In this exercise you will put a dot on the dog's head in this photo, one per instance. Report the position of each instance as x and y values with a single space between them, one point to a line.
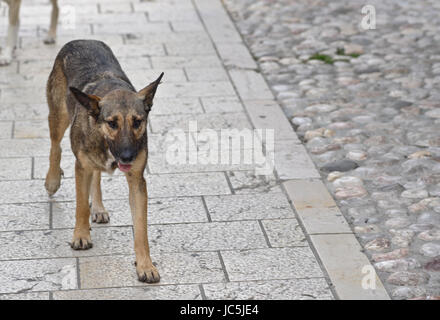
121 117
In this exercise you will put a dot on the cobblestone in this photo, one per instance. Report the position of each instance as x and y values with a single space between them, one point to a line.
370 112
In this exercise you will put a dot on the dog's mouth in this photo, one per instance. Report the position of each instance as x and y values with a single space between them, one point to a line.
124 167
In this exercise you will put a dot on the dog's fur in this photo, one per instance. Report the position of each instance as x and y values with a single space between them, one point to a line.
14 23
88 89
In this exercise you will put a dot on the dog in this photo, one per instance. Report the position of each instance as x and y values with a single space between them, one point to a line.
14 23
88 90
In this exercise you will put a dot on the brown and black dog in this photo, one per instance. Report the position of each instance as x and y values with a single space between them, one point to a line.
88 90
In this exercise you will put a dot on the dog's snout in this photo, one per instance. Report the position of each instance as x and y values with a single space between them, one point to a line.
127 156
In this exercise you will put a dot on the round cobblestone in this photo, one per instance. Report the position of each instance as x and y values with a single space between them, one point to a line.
373 94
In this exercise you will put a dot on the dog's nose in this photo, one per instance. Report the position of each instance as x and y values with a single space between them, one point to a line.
127 156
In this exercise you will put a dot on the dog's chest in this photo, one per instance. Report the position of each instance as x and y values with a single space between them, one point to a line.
110 164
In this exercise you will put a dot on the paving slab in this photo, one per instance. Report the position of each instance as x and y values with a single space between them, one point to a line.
235 55
175 268
292 161
206 74
24 111
217 22
265 113
56 243
248 206
6 129
29 216
250 85
160 211
273 263
298 289
284 233
189 122
38 275
243 182
169 292
211 236
349 276
25 296
15 168
221 104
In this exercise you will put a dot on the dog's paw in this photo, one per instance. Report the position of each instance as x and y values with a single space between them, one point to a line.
100 217
148 274
49 40
5 59
53 182
81 242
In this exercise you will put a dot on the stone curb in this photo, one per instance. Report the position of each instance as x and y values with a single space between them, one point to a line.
329 233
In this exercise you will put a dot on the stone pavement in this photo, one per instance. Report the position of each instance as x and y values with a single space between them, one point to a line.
366 105
216 231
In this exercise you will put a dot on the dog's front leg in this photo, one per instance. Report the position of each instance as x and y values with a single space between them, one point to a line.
145 269
11 42
81 236
50 38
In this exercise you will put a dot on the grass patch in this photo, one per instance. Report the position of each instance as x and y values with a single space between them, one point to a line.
323 57
341 52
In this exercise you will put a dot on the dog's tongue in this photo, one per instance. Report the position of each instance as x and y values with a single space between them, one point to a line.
124 167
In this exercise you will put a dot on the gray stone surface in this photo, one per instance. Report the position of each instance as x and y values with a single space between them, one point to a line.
6 129
265 113
29 216
365 104
251 85
244 182
324 220
215 230
207 236
297 289
248 206
37 275
175 268
293 162
170 292
348 276
274 263
161 124
221 104
15 168
25 296
284 233
161 211
56 243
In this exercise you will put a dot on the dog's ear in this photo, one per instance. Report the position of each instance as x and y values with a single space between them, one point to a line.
88 101
147 93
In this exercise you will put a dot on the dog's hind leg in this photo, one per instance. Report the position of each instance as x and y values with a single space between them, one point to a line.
99 214
14 22
58 123
50 38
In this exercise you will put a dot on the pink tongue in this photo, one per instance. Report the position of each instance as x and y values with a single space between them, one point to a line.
124 167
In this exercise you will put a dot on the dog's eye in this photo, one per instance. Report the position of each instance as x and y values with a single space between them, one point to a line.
112 124
136 123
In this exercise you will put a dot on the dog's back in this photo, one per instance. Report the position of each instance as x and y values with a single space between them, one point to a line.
88 65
